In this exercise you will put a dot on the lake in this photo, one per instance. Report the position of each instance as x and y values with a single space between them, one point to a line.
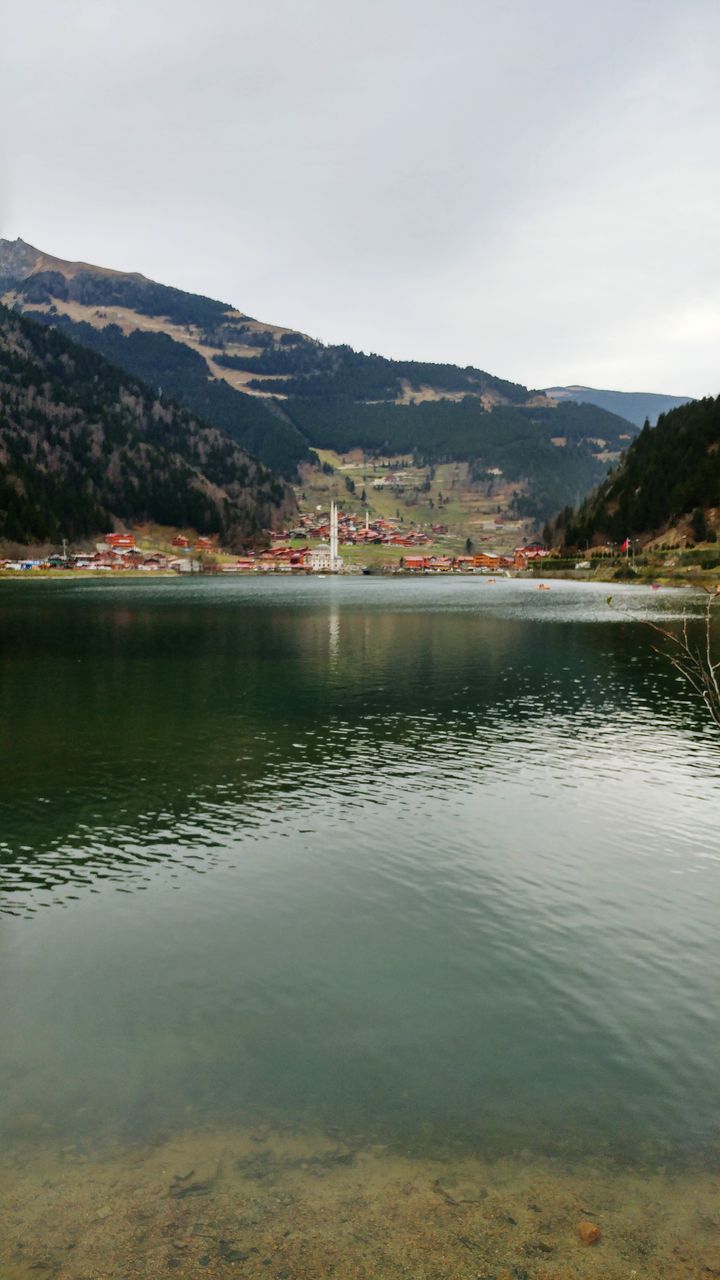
330 888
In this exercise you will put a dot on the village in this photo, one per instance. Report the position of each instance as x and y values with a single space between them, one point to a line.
356 515
312 546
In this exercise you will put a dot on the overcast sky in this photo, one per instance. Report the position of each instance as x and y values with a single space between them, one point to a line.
529 187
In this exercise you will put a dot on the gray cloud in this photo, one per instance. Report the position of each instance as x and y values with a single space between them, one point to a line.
532 188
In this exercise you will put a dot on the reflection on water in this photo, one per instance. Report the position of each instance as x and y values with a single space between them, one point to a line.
421 863
124 717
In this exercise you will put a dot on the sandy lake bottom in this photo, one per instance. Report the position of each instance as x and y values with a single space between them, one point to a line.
294 1205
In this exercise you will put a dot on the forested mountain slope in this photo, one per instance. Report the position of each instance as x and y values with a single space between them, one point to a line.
281 394
669 476
84 448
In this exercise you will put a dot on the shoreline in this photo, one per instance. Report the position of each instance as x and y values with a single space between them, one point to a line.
300 1204
695 580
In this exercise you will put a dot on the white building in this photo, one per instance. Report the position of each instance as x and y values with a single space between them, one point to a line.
319 559
324 558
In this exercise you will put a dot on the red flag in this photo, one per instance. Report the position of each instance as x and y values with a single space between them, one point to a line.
626 545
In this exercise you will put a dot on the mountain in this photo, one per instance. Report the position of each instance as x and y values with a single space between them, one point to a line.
282 395
636 406
667 485
84 448
157 333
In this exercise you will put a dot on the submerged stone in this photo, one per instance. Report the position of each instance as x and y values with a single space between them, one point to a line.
459 1192
197 1182
588 1232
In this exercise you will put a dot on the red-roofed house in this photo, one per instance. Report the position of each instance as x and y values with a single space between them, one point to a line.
120 541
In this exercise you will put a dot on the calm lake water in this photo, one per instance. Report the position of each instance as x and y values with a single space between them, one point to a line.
430 861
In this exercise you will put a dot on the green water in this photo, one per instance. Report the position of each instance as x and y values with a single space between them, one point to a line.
434 860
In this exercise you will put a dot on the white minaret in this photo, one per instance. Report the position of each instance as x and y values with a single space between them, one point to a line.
333 536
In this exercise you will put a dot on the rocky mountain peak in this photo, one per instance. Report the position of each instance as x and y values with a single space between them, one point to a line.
17 259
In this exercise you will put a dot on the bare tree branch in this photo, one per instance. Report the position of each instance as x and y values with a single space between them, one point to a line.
694 663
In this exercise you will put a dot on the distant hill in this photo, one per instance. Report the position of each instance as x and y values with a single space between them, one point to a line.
668 484
85 448
282 394
635 406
